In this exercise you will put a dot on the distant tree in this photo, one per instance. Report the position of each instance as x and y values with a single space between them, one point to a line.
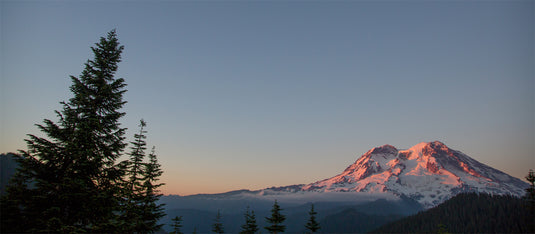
530 191
217 227
312 225
530 199
69 181
276 220
441 229
250 226
177 224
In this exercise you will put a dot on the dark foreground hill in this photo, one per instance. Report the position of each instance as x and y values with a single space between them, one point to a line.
8 166
468 213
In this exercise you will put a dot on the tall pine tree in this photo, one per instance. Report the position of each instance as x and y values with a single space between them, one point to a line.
140 212
152 211
68 181
276 220
132 194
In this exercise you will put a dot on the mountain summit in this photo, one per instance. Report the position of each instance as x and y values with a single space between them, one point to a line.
428 172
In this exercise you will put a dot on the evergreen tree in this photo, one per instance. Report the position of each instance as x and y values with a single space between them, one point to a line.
131 219
530 191
312 225
250 226
276 220
442 229
140 213
69 181
152 212
530 199
217 227
177 224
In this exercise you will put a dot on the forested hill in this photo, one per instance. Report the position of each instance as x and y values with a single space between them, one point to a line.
468 213
8 166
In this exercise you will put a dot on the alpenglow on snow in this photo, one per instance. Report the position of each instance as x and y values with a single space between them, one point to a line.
428 172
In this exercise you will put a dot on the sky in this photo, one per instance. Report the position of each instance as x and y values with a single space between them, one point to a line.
255 94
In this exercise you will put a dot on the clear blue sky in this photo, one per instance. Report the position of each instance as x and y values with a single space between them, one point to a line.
245 94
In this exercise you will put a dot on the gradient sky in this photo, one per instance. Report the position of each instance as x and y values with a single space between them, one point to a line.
248 95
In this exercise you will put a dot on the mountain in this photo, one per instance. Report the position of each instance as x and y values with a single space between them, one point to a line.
8 166
428 172
382 185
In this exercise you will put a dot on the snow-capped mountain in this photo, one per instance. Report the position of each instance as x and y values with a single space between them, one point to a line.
383 182
428 172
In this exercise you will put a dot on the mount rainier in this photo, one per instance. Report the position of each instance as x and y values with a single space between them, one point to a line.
384 182
428 173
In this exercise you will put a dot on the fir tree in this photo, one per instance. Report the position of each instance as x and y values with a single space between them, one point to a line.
312 225
276 220
68 181
530 199
177 224
250 226
217 227
442 229
152 211
131 219
530 191
140 213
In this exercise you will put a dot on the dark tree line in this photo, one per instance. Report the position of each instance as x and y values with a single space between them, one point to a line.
474 213
71 180
468 213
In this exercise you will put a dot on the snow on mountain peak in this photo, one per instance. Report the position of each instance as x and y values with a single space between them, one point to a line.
385 149
429 172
